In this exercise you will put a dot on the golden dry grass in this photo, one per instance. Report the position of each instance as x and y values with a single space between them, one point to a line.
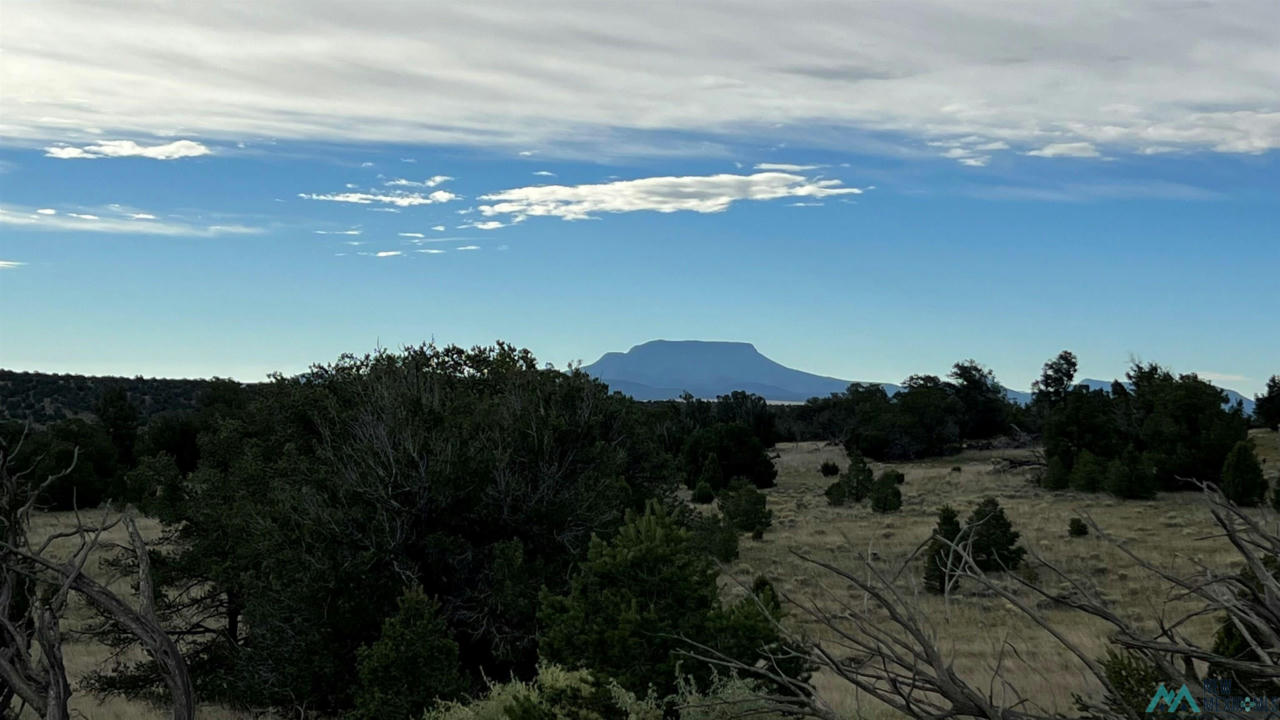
1172 531
82 655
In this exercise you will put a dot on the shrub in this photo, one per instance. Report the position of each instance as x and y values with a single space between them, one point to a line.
738 451
1128 478
837 493
710 475
1242 481
1077 528
854 485
745 507
948 529
560 694
703 494
885 495
636 603
413 663
1057 475
715 535
894 476
1088 473
956 469
995 542
1133 677
859 476
829 469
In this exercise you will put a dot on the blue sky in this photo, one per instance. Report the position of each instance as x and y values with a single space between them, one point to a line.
864 191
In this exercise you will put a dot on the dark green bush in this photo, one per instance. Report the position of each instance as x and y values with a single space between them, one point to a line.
956 469
703 494
1242 481
637 601
413 663
894 476
948 530
738 451
715 535
710 475
995 542
1134 677
829 469
1077 528
885 495
745 507
1088 473
1126 478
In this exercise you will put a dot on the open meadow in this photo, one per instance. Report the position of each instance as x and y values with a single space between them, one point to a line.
1174 531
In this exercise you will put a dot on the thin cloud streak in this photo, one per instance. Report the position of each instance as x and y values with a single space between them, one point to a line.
1188 76
80 222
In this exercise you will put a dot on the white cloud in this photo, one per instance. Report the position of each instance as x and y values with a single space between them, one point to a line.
785 167
47 211
1071 149
128 148
387 253
468 247
544 173
1221 377
430 251
563 74
430 182
486 225
412 235
141 216
84 222
399 199
353 231
438 228
807 204
699 193
10 264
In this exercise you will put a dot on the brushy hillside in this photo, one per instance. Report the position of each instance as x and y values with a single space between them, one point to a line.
1171 529
43 398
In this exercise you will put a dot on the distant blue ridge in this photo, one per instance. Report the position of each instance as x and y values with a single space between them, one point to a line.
666 369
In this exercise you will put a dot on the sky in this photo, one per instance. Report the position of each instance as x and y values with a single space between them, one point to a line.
862 190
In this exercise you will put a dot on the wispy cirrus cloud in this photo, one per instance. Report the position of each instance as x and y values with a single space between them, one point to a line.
1071 149
1221 377
1190 75
128 148
696 193
785 167
430 182
10 264
399 199
31 219
352 231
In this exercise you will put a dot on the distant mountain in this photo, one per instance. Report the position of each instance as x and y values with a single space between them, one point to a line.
665 369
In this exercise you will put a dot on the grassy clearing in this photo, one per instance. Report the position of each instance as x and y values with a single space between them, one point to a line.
1171 530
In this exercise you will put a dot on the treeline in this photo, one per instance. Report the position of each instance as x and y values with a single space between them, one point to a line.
386 531
1157 432
929 416
44 398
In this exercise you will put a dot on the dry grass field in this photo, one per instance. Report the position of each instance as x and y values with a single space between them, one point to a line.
1170 530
